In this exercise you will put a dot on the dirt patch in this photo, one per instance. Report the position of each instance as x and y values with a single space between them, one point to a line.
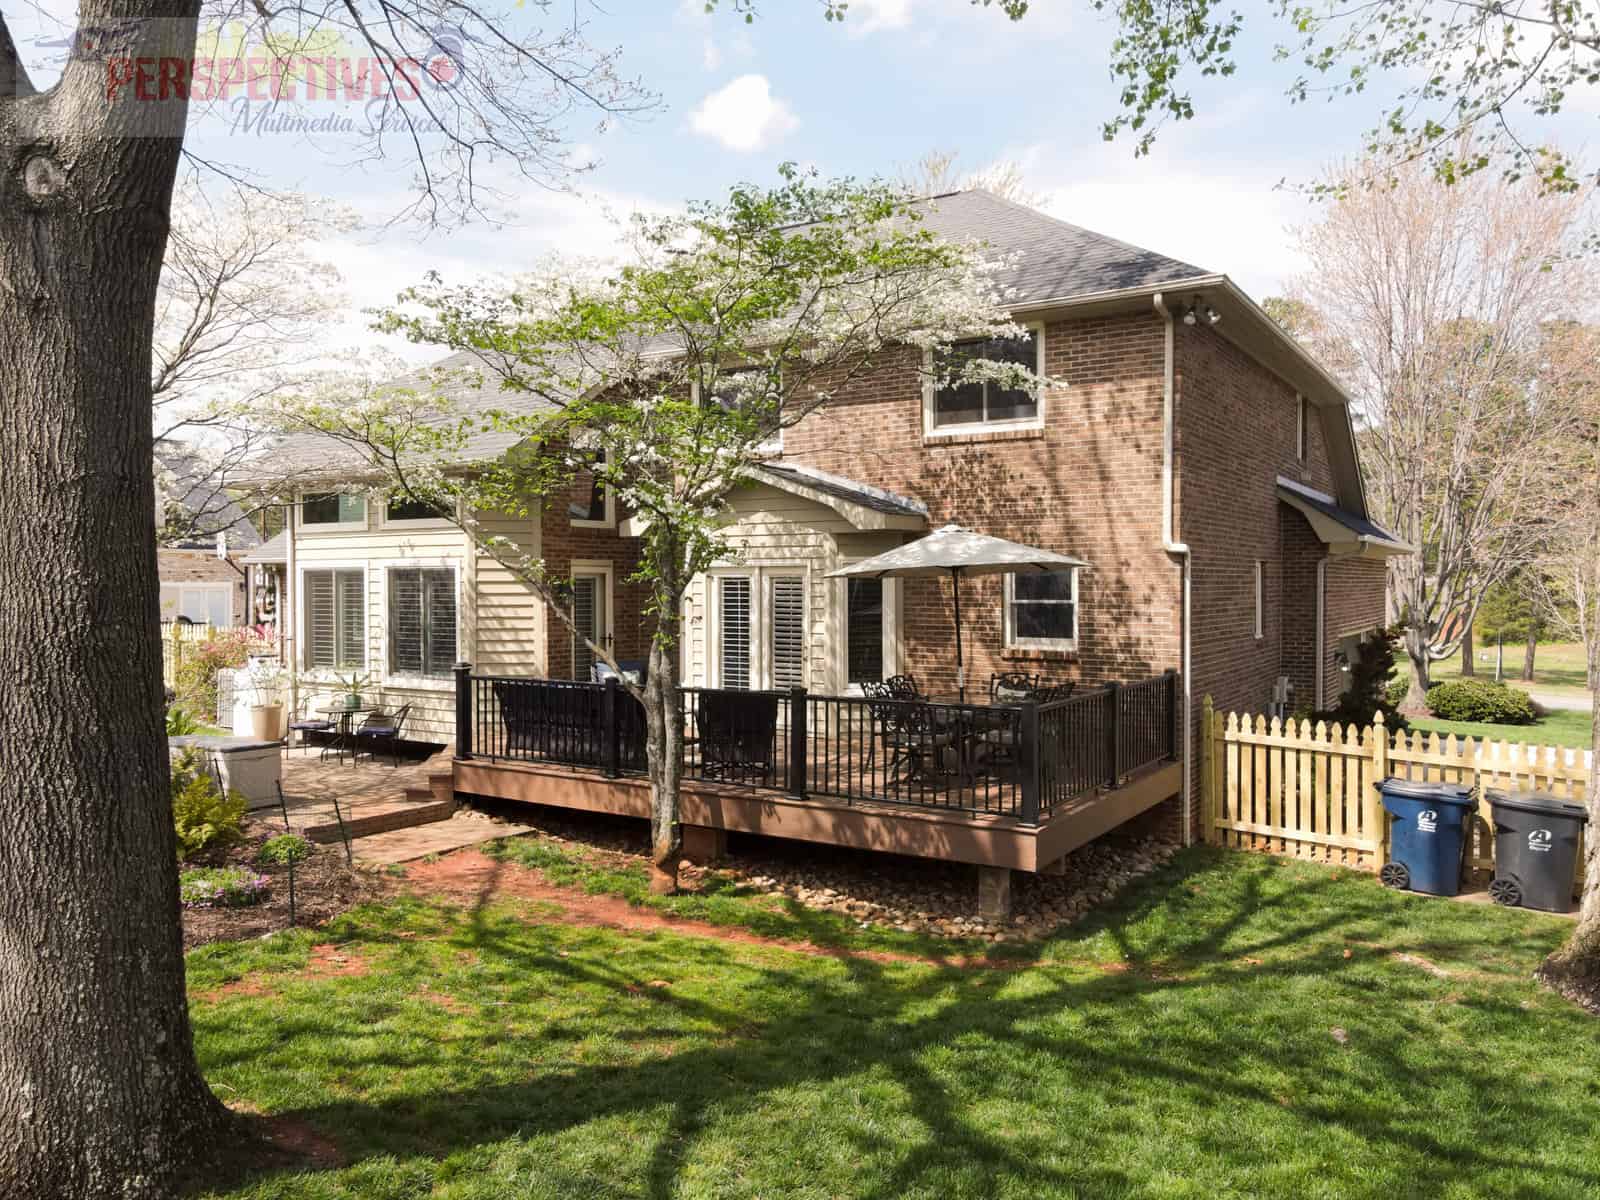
471 877
324 887
289 1140
331 960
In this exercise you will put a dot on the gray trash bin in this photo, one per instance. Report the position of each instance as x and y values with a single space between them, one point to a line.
1535 849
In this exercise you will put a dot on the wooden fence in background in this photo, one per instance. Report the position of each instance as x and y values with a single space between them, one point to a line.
176 641
1291 787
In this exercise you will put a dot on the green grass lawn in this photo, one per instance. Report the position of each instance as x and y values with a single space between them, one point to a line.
1558 668
1560 727
1233 1026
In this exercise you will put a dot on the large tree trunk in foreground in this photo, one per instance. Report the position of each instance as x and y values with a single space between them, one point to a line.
1575 968
100 1095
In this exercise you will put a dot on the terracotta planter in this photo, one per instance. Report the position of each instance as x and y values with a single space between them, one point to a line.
266 722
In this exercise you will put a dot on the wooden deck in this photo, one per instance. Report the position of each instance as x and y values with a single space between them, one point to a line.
950 833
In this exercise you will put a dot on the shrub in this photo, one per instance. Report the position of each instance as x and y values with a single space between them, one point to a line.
220 887
1370 690
202 815
284 849
1480 700
195 675
179 722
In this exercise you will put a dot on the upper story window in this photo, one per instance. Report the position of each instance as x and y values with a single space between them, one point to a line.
598 508
749 387
1041 610
333 508
404 508
979 404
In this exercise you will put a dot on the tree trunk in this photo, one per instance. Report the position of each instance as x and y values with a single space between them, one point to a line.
664 753
100 1094
1468 668
1416 644
1528 653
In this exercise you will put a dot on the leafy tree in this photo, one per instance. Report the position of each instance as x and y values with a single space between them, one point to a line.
727 325
1510 612
1445 70
1431 306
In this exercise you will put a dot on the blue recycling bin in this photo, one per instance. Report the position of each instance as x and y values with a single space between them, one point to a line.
1427 835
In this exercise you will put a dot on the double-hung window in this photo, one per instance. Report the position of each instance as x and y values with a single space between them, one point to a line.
422 621
333 509
986 402
1041 610
335 619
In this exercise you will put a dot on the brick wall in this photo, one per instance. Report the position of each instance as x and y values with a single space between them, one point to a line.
1089 484
1354 605
1301 551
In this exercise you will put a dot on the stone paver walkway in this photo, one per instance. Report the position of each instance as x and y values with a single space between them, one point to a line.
364 789
439 837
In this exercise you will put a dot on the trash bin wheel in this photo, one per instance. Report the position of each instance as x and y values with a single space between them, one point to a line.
1506 891
1395 875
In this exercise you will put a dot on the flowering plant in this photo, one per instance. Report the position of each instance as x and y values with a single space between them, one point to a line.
221 887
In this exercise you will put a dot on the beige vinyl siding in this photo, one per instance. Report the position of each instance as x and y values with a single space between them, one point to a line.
374 550
779 534
508 621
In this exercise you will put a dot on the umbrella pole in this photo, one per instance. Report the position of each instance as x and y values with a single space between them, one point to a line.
961 671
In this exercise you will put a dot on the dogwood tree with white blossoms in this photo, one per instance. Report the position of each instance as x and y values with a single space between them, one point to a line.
669 379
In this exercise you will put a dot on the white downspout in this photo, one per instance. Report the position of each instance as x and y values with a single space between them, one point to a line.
1168 485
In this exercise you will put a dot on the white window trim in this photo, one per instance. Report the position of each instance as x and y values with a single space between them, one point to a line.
1260 594
930 430
768 576
398 679
1008 619
714 625
201 584
610 519
328 674
608 632
1302 431
772 446
318 528
891 632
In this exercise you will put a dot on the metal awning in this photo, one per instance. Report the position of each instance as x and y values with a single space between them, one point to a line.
1342 531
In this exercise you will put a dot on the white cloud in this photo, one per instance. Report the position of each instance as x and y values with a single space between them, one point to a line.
871 16
711 56
744 115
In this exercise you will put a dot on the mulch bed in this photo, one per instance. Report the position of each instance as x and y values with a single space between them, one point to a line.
324 887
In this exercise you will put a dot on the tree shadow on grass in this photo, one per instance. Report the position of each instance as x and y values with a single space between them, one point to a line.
1193 1016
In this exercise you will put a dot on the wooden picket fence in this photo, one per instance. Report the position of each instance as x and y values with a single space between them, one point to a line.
176 641
1291 787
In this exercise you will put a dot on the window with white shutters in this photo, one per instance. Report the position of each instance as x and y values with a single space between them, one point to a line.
786 622
588 613
733 593
422 621
335 619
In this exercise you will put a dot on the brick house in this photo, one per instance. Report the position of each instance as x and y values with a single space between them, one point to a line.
1191 452
198 585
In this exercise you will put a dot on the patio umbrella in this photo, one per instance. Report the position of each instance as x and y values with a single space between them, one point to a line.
956 552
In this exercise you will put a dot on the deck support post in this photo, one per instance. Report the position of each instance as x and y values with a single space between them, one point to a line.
704 844
994 892
463 672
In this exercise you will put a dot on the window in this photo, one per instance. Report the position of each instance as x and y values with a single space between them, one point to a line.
403 508
787 621
422 621
1261 598
863 624
334 508
197 603
597 508
753 389
335 619
734 625
1301 417
987 403
589 614
1041 610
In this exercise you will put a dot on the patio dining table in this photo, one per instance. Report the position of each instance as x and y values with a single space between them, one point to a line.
342 738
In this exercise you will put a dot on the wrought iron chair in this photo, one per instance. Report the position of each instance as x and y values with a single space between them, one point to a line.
1055 691
309 721
738 735
903 687
915 740
1012 687
382 727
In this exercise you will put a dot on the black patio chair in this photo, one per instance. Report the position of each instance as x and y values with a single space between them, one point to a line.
915 740
522 713
1055 691
381 728
309 721
738 735
1012 687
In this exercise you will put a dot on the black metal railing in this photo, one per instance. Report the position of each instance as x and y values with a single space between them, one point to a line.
1014 760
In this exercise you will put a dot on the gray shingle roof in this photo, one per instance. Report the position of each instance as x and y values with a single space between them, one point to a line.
875 498
1055 260
1051 260
1356 524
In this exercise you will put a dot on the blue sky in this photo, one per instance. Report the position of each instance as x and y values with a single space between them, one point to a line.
898 78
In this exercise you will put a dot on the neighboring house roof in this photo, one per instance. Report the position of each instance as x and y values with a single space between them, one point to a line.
186 481
1053 260
1340 529
273 550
